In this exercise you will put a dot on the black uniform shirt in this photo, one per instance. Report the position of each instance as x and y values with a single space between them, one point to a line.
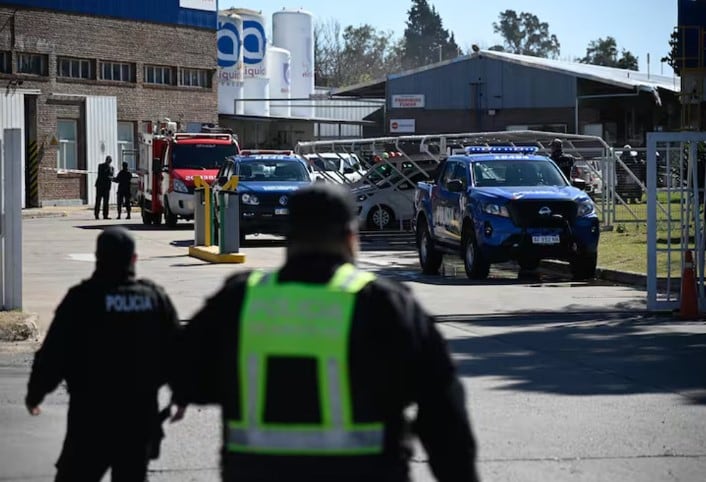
124 178
397 358
113 343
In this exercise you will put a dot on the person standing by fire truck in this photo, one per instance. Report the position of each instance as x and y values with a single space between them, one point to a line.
103 183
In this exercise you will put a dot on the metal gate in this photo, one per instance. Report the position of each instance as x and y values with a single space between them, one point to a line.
675 214
409 159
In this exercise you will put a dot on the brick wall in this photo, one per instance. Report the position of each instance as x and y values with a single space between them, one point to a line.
99 38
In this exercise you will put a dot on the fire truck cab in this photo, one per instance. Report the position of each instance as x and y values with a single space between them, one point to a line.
167 164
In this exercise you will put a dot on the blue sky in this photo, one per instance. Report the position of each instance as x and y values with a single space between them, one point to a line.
640 26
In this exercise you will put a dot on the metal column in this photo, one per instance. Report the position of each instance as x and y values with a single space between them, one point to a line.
11 220
229 227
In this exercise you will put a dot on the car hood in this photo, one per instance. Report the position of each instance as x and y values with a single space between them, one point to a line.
269 186
561 193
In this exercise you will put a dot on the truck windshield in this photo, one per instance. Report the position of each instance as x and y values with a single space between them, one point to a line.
517 172
273 170
201 156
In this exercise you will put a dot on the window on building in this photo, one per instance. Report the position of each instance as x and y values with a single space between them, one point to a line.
74 68
67 157
126 145
32 64
117 71
195 78
6 62
158 74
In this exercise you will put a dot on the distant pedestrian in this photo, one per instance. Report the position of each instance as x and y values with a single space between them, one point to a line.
124 180
314 365
565 162
103 183
112 340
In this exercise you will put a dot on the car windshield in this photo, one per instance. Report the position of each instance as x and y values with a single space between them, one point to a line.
201 156
272 170
517 172
326 164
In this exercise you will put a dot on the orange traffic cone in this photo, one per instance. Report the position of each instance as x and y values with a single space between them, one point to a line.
689 305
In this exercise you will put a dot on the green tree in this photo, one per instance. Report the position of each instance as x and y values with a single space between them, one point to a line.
605 52
671 57
525 34
354 54
425 39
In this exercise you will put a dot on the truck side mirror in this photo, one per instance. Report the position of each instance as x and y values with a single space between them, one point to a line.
579 183
455 185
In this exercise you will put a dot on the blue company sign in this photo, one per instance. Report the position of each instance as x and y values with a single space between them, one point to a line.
228 44
254 42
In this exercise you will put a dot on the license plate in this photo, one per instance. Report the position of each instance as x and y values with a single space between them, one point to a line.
281 211
553 239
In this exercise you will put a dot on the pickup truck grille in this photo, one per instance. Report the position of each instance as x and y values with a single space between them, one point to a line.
526 213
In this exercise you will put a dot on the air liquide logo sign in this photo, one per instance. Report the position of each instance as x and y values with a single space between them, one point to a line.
229 47
254 48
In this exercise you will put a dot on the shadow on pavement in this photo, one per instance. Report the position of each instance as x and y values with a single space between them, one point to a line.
136 227
607 354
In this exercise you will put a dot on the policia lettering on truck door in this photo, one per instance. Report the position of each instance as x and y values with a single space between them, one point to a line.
313 365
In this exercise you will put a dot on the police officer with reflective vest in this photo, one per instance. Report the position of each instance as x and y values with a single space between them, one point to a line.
112 340
314 364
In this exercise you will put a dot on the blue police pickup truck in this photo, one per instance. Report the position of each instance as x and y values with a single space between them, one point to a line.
496 204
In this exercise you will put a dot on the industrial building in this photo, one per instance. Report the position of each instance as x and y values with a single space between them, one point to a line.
493 91
83 78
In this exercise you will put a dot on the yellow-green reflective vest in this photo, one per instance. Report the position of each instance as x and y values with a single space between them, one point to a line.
300 320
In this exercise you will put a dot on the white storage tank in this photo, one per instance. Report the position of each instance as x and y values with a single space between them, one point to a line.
278 70
294 30
255 80
230 63
255 95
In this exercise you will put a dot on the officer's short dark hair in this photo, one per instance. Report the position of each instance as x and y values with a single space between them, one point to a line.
321 212
124 165
108 159
115 246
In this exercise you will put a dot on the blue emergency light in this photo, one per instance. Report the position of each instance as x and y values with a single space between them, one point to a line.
501 149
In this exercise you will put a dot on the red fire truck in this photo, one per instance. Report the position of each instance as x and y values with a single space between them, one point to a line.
168 163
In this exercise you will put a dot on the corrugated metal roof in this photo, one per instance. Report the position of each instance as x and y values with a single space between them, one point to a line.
628 79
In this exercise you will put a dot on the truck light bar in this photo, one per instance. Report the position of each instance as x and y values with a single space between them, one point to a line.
501 149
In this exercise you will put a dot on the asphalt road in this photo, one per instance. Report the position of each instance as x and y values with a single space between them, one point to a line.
565 381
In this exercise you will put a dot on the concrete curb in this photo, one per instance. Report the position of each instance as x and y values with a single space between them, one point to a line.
622 277
44 214
24 329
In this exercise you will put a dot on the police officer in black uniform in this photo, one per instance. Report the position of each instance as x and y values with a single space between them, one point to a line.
103 183
111 340
124 180
315 364
564 161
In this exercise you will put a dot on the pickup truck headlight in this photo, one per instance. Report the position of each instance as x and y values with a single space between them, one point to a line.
496 210
179 186
250 199
586 207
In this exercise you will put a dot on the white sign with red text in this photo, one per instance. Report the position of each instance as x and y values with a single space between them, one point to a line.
402 125
208 5
410 101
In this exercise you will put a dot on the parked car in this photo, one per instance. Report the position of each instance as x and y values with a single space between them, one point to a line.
589 171
265 182
335 167
383 204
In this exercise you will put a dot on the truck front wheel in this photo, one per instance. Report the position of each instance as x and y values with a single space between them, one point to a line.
429 258
474 263
169 217
583 266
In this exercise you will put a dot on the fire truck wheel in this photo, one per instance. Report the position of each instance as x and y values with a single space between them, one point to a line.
169 218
